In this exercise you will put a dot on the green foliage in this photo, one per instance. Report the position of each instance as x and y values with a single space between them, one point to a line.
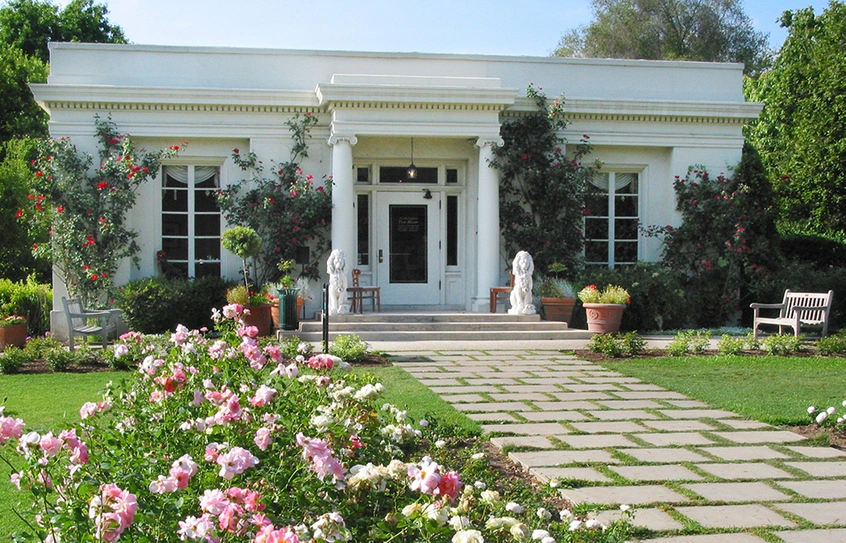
725 242
832 345
60 359
20 116
781 344
730 345
30 299
241 241
86 210
287 210
349 348
823 251
16 258
292 347
542 189
617 345
689 341
11 359
38 347
553 287
657 295
30 25
157 304
800 132
718 31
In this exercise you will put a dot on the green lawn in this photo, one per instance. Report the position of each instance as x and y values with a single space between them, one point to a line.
49 401
776 390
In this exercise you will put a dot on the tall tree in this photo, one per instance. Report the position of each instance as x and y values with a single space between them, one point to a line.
30 25
705 30
801 133
20 116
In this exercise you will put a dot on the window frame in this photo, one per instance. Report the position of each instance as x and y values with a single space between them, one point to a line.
191 262
612 217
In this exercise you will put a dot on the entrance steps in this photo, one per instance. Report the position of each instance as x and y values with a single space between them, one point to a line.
457 326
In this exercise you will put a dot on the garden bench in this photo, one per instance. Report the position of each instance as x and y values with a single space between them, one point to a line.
80 321
797 310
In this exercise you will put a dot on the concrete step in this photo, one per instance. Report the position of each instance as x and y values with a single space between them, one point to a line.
421 335
443 326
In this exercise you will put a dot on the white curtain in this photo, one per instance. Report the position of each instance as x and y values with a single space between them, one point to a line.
201 173
621 180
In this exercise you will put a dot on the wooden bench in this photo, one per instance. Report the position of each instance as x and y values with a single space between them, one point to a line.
359 293
797 310
81 321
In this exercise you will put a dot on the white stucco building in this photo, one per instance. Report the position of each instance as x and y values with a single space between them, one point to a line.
647 120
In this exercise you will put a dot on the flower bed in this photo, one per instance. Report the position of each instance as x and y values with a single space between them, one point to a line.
227 439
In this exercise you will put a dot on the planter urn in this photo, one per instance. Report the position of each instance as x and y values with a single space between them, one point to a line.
604 318
13 335
558 309
259 317
289 308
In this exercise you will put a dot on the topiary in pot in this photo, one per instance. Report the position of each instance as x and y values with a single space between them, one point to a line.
243 242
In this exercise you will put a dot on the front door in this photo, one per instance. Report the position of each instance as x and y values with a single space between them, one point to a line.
409 269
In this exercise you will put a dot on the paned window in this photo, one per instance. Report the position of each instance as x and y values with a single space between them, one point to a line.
191 220
611 219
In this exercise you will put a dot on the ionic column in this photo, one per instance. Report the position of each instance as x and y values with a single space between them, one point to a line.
487 223
343 196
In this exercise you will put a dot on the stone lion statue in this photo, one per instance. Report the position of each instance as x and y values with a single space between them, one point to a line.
521 295
335 266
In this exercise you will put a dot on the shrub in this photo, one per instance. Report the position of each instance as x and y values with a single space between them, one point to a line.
157 304
730 345
12 358
350 348
30 299
606 344
292 347
832 345
38 347
617 345
781 344
688 341
60 359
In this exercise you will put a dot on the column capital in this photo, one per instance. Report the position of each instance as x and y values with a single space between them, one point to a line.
489 142
335 138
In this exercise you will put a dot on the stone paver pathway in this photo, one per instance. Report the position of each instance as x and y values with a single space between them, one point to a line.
616 440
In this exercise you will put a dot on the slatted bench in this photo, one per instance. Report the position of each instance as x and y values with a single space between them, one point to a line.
797 310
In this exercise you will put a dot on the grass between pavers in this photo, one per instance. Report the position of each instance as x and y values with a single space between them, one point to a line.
52 401
771 389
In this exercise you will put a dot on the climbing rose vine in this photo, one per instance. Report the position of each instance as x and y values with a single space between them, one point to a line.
84 207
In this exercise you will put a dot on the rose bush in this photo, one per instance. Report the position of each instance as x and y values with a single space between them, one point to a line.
225 439
85 207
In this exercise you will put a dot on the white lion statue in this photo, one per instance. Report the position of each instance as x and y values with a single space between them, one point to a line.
335 266
521 295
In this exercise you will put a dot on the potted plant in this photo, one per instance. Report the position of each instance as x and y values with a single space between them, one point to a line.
557 298
12 331
604 307
257 307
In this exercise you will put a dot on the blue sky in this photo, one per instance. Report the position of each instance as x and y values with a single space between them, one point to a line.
498 27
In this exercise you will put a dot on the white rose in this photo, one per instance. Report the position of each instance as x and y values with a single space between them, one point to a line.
468 536
513 507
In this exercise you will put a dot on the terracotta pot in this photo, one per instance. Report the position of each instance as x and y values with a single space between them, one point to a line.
558 309
259 317
604 318
13 335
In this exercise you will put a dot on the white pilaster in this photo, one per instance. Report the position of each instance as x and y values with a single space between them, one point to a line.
487 238
343 194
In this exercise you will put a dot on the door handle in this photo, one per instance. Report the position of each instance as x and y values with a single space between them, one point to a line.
381 259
